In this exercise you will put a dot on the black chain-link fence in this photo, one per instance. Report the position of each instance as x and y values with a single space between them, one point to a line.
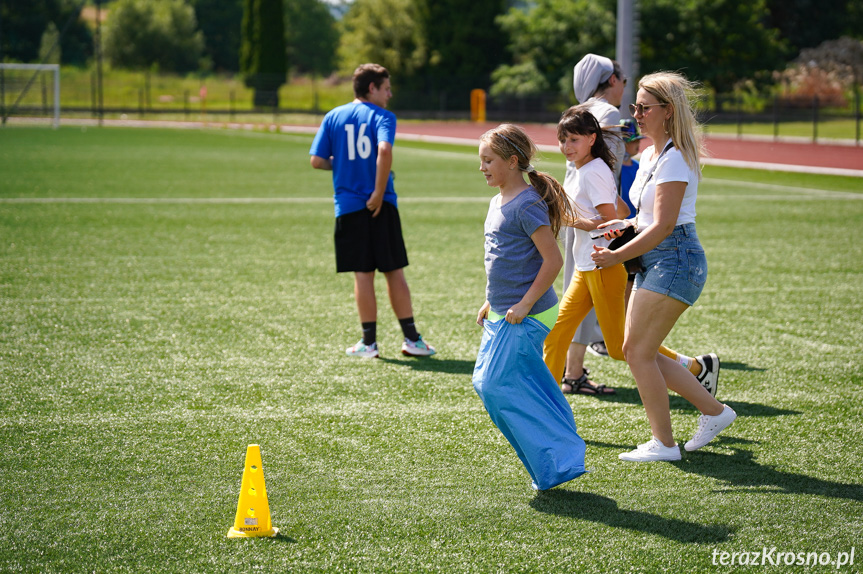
147 94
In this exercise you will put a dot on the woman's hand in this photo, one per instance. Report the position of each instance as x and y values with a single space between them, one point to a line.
483 313
517 313
604 257
614 233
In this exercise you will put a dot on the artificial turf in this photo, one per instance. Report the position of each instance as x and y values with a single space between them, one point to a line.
169 297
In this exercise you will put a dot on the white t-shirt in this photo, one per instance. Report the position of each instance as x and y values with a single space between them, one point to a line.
586 188
608 117
671 167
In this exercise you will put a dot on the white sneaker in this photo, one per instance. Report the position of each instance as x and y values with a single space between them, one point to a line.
418 348
598 348
650 451
709 375
363 350
709 427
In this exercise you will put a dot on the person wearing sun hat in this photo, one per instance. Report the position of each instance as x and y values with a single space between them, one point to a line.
598 82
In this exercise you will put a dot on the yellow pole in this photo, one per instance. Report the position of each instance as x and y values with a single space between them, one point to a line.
477 105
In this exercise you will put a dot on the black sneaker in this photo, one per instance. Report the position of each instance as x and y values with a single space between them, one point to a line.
709 375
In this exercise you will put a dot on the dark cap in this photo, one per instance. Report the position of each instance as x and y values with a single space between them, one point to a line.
629 131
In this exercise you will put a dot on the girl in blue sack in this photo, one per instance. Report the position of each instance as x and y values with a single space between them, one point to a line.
522 260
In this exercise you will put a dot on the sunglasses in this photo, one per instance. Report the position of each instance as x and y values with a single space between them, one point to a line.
640 108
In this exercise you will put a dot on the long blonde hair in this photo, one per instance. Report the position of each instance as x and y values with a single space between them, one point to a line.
508 140
683 127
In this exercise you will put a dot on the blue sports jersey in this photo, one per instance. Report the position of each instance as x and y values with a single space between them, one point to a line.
349 135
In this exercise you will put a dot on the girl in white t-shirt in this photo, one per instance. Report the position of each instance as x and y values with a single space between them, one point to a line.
593 193
675 267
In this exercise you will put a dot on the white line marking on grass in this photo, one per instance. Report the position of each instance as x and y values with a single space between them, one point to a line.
803 192
166 200
224 200
773 186
724 196
464 156
797 193
783 167
553 149
261 134
480 199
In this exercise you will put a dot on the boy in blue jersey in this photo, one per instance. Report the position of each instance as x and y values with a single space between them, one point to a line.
355 141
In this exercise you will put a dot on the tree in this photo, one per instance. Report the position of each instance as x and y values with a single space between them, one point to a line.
217 20
384 32
844 57
23 30
827 72
549 38
716 42
806 23
518 80
311 36
263 61
50 51
464 50
140 34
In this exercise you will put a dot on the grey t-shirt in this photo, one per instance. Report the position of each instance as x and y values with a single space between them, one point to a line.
512 261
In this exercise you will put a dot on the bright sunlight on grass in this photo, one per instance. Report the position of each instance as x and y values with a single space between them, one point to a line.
169 297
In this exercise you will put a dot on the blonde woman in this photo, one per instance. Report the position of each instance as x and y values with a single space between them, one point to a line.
664 192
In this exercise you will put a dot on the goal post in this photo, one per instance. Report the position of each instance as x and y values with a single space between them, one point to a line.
24 92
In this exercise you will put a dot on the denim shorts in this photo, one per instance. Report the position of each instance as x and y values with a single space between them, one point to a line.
676 267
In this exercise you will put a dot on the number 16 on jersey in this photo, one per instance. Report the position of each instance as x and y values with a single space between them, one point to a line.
362 144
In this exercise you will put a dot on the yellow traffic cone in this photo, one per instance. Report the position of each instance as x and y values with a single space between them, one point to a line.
253 510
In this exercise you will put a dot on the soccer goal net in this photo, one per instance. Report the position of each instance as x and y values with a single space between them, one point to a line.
30 93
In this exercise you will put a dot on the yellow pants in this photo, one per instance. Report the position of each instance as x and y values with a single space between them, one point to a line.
603 290
600 289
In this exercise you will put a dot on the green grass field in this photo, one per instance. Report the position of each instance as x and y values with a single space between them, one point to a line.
169 297
127 89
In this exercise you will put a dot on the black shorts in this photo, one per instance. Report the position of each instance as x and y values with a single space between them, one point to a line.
365 243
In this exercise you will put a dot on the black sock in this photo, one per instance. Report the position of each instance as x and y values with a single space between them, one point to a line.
409 329
370 332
